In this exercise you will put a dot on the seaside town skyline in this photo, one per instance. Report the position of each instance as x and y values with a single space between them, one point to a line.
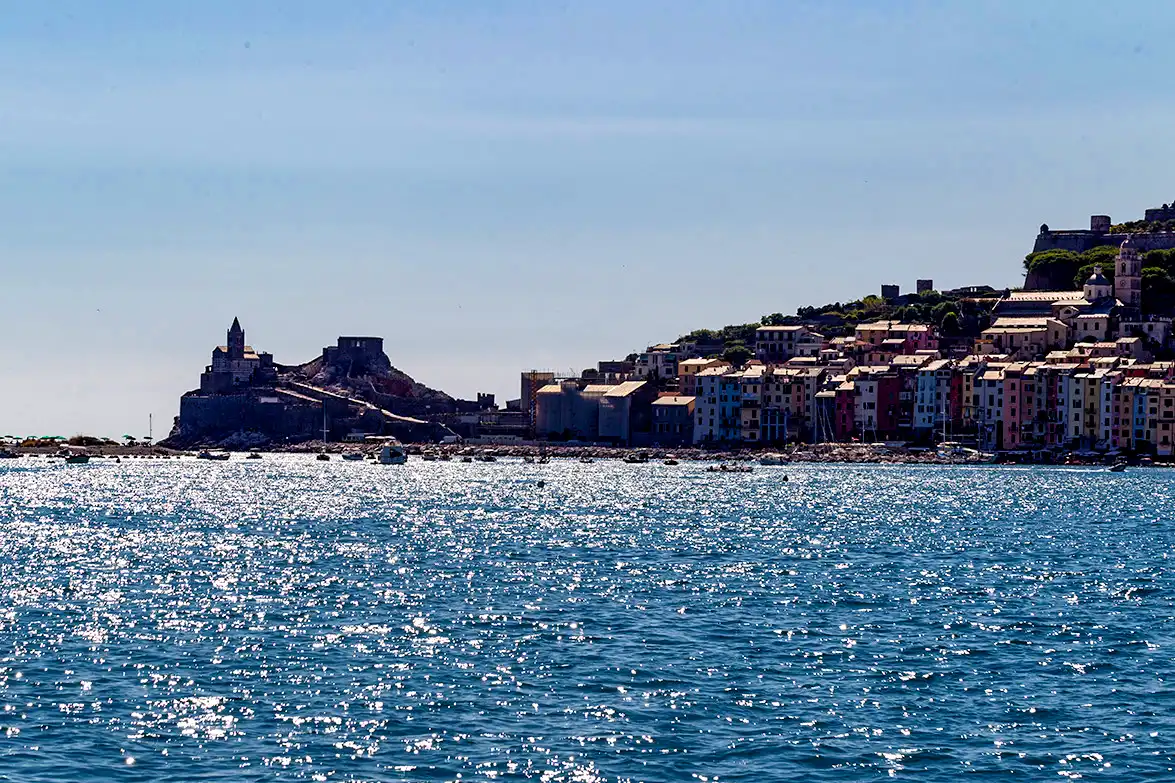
1081 358
528 186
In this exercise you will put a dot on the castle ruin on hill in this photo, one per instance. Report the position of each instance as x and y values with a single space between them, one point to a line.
247 400
1150 233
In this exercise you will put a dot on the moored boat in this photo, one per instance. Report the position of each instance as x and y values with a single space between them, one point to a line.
392 455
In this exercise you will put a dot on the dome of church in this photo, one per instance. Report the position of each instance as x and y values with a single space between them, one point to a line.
1097 278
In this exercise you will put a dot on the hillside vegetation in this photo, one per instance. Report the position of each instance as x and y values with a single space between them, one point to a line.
1158 272
954 315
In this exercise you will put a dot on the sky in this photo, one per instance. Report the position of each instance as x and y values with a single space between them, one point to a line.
494 187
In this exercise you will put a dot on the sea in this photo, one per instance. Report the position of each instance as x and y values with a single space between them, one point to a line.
287 619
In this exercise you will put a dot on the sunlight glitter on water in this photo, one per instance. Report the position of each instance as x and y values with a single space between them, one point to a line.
343 621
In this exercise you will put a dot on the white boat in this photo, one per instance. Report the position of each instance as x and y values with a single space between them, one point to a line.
951 448
392 455
772 459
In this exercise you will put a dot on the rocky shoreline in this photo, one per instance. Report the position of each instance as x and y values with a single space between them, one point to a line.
846 453
835 453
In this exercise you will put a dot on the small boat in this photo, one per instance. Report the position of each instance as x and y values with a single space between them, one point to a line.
467 459
392 455
253 455
724 468
77 459
586 460
1118 467
487 458
428 457
6 454
636 459
772 459
353 456
544 460
222 457
323 457
672 461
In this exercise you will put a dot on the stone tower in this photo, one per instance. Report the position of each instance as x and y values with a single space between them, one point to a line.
1128 278
236 341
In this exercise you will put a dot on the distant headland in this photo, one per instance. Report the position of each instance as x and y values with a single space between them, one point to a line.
246 400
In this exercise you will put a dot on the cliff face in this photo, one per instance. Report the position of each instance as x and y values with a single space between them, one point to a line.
373 380
1048 279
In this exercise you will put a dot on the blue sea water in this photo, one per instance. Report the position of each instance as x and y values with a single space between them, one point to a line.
286 619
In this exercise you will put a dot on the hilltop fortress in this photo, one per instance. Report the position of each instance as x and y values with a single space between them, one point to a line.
1156 231
247 400
1150 233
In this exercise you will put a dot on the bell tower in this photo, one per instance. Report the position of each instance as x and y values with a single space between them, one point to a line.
1128 277
236 341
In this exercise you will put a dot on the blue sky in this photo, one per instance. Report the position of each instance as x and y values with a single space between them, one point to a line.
500 186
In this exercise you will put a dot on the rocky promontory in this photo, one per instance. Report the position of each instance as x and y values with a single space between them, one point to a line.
248 401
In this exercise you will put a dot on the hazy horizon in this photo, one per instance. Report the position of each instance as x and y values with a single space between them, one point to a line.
494 188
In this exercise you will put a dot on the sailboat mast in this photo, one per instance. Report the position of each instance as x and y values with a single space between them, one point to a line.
944 415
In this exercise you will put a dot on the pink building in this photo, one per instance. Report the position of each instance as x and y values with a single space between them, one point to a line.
886 334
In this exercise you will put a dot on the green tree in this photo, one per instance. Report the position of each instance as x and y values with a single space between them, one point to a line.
1105 255
1158 290
775 319
1086 271
737 354
950 324
941 310
1162 259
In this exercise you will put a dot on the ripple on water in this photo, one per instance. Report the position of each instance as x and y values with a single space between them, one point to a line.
331 621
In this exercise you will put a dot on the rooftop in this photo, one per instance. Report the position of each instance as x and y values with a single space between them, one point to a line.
1041 321
674 400
1046 296
624 389
701 362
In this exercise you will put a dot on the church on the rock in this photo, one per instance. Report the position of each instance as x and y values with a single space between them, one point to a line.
236 365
